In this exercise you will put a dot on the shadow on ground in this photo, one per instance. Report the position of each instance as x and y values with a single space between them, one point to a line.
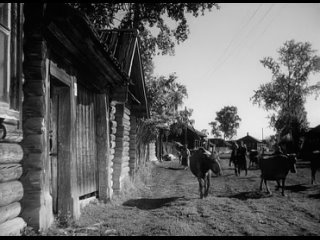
150 203
296 188
249 195
316 196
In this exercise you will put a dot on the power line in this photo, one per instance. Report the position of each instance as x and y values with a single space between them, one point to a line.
242 42
234 37
268 25
255 27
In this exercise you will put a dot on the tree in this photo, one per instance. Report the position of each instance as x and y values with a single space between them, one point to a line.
146 17
164 96
205 132
228 120
215 129
286 94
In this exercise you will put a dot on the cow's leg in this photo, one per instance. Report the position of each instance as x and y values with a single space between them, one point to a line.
283 182
236 169
313 175
261 184
265 183
200 187
207 184
278 185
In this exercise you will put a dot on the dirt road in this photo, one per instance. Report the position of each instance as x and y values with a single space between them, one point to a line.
235 206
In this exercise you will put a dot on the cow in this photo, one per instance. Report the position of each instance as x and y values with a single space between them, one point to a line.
310 151
276 167
202 162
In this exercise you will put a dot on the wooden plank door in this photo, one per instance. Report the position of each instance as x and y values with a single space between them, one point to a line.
54 102
59 142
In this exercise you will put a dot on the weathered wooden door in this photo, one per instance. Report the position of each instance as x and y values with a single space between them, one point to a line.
87 166
59 120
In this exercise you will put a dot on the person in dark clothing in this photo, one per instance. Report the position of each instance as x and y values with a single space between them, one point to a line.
185 156
241 158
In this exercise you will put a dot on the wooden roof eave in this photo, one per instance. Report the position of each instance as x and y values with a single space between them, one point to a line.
70 27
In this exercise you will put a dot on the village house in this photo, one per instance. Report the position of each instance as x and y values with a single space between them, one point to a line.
251 142
70 105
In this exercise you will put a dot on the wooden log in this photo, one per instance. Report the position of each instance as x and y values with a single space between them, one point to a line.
123 138
121 143
10 192
112 137
33 125
9 212
121 160
123 129
10 153
34 107
12 227
113 130
34 143
10 172
10 132
113 123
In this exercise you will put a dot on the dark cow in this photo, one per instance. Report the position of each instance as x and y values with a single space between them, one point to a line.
201 162
276 167
310 151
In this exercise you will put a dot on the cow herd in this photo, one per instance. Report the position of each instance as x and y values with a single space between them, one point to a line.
273 167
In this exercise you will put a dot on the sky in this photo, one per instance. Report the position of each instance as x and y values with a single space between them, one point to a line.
220 65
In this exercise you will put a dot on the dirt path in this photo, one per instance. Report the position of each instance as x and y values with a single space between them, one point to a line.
234 206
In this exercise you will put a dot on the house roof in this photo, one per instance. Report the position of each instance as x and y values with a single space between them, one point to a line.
314 131
219 142
192 129
123 45
248 138
73 34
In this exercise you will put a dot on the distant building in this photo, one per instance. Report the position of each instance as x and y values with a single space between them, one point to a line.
251 142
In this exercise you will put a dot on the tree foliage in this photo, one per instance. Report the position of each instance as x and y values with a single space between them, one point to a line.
228 120
165 95
286 94
215 129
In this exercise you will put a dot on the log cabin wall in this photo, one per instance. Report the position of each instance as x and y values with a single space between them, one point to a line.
113 131
133 146
36 202
11 189
121 157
